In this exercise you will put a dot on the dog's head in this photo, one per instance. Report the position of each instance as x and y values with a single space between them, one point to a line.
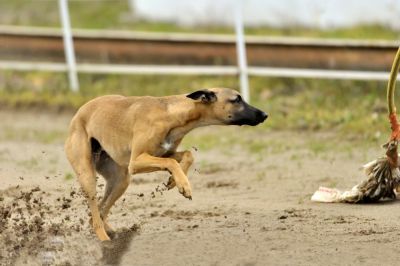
226 106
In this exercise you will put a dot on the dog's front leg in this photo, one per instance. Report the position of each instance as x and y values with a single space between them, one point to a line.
147 163
185 159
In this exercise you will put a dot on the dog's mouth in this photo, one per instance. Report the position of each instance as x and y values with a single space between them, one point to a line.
246 122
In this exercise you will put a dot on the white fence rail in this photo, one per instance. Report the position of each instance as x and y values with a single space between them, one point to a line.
198 70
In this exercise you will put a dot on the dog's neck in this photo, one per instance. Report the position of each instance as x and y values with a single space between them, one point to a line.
189 115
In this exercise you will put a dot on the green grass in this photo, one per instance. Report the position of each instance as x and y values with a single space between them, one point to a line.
115 14
366 31
318 146
50 89
353 107
29 134
68 176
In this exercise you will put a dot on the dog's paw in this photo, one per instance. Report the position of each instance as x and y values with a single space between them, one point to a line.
108 228
102 235
170 184
185 189
100 232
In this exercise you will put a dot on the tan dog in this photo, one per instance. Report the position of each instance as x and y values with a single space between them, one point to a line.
118 136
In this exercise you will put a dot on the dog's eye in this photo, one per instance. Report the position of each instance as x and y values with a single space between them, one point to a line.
238 99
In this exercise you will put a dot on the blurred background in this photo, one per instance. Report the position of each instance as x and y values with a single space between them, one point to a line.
345 47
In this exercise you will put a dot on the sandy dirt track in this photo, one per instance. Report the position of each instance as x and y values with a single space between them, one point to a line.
250 206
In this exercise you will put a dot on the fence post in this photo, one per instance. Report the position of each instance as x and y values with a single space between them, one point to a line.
68 45
131 4
241 51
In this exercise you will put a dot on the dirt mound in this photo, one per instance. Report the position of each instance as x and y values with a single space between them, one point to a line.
40 232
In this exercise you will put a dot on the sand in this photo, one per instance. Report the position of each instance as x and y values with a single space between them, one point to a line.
249 207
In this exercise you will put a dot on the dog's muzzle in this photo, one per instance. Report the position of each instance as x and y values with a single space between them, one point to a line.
249 116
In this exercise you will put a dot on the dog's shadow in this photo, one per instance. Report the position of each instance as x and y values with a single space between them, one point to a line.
114 249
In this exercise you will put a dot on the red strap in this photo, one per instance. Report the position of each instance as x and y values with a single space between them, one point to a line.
394 124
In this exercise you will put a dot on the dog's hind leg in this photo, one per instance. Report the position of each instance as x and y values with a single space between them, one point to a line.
117 179
78 150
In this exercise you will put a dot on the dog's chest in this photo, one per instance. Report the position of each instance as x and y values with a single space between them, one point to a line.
166 148
167 145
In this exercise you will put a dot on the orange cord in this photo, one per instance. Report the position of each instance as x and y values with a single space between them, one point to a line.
392 155
395 126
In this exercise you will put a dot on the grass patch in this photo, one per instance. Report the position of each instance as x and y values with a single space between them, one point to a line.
50 89
68 176
355 108
29 134
256 146
367 31
318 147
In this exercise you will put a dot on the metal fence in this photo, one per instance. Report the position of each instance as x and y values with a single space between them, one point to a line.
209 70
242 69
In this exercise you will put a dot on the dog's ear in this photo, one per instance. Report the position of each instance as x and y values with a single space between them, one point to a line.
204 96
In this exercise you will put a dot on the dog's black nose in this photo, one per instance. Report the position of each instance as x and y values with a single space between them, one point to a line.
263 116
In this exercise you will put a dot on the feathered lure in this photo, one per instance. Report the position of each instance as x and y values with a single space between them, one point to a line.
383 174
